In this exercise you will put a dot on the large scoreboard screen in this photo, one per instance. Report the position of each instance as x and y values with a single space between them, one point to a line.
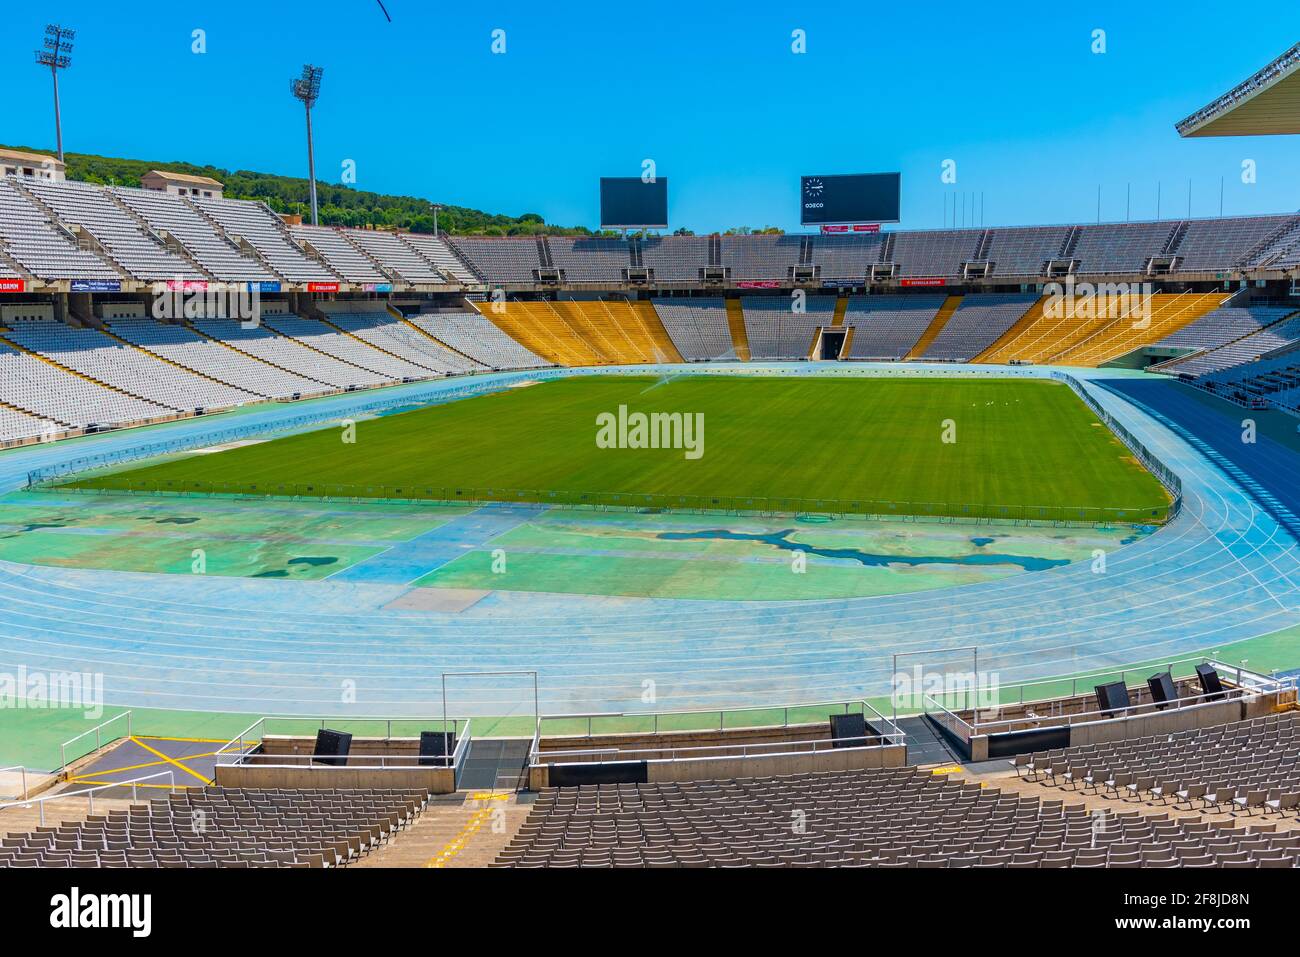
856 198
629 202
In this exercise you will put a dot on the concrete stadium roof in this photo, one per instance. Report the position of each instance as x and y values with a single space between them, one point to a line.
1268 103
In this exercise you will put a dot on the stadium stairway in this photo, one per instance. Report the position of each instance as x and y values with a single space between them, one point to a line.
736 324
460 830
1169 313
841 308
936 326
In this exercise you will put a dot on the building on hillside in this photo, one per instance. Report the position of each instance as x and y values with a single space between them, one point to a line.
181 184
31 166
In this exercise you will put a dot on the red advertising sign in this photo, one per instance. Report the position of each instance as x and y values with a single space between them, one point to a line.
322 287
855 228
13 285
924 281
758 284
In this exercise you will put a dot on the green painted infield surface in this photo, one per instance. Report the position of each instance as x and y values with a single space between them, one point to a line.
1014 443
586 553
298 540
32 737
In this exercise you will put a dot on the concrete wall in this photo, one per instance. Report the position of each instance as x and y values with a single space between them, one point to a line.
435 780
709 769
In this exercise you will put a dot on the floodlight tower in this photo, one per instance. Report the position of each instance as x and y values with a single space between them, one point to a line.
307 89
56 55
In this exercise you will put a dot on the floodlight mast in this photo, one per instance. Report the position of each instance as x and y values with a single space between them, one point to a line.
57 56
307 89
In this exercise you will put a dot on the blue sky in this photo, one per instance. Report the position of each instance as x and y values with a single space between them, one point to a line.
710 91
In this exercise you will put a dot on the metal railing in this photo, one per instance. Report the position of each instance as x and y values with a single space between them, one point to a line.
22 770
89 793
891 735
1244 684
98 732
241 750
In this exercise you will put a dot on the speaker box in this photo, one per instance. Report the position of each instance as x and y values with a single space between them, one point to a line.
1112 697
1162 689
848 730
332 747
436 747
1210 683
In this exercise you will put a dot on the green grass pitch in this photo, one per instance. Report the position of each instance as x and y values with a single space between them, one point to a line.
796 444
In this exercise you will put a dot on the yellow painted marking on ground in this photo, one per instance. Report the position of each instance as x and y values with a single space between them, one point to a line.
164 787
472 827
159 737
149 764
950 769
187 770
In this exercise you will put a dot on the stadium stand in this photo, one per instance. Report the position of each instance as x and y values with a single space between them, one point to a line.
1168 314
256 225
892 817
174 217
675 258
887 327
1221 326
761 256
118 234
511 260
394 256
374 324
194 351
1276 380
935 252
128 369
1025 250
1246 766
1278 328
40 388
340 255
472 335
616 331
439 253
697 327
1277 251
1214 244
776 331
240 828
269 346
41 248
323 336
978 322
1121 247
588 260
540 329
846 257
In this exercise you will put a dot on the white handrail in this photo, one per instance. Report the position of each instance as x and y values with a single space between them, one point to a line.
63 756
23 771
89 793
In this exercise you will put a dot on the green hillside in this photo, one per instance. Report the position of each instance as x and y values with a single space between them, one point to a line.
339 205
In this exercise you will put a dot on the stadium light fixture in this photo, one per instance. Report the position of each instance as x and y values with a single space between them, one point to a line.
57 56
307 89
